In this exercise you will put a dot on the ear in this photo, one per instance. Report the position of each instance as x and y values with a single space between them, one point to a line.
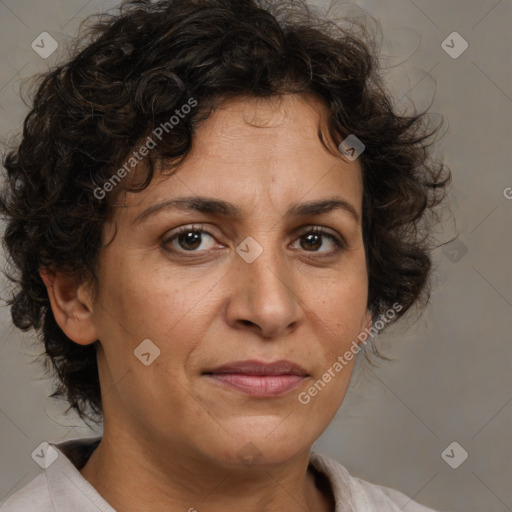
367 322
365 326
71 304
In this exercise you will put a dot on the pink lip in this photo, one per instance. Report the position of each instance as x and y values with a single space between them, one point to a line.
258 378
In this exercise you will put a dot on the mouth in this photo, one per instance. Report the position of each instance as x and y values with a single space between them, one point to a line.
257 378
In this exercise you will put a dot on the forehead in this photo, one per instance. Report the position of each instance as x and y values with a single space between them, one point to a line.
283 125
265 152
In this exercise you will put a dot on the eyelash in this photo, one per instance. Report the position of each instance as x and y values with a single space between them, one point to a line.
316 230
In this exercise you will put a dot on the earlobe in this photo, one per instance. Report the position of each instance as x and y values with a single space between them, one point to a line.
365 328
71 305
368 321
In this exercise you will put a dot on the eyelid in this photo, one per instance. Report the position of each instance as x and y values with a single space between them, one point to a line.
168 238
333 235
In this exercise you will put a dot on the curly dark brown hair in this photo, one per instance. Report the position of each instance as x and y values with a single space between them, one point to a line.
128 73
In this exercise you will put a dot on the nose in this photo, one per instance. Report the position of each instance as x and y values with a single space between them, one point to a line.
263 296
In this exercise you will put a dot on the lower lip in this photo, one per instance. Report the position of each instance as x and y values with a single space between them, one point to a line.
259 385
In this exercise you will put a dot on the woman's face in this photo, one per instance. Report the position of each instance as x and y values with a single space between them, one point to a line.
255 286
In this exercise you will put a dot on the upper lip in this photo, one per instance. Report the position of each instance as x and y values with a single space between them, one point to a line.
254 367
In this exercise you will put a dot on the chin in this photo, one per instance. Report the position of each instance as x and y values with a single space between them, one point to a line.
260 443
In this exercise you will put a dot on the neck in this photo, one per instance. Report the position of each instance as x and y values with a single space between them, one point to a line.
132 476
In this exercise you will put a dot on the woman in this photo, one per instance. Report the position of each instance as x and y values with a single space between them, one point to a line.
212 210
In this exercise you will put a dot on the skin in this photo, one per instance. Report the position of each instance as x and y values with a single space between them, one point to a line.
172 436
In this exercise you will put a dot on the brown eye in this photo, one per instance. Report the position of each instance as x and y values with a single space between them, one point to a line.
313 239
188 239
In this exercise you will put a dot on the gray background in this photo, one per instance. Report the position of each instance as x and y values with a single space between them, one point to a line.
451 377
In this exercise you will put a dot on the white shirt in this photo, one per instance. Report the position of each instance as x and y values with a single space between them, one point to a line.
61 487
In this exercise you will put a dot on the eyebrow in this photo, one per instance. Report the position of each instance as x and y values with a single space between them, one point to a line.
222 208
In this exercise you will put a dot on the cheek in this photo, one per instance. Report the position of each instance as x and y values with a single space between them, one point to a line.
141 295
343 295
171 312
339 309
149 307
